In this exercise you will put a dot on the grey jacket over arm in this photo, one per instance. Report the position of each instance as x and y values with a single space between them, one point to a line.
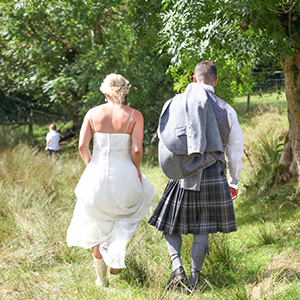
189 138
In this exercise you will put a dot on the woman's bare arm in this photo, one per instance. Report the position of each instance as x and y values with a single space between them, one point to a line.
84 139
137 136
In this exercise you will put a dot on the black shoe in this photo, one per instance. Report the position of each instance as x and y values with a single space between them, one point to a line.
196 286
178 279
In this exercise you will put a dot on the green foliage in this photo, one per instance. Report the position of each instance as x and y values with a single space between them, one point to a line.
270 173
150 157
266 235
11 137
288 195
263 149
58 52
237 35
221 260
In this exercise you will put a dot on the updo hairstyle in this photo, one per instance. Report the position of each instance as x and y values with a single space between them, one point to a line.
116 87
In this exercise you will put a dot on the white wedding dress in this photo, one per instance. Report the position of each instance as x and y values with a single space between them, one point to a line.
111 199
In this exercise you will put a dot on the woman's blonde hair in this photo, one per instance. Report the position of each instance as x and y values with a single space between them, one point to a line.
116 87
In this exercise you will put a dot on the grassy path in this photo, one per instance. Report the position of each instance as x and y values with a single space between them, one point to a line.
259 261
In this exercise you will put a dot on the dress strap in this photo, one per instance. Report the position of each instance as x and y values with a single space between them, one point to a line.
93 122
129 120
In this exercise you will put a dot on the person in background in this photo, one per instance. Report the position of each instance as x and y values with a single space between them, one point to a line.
52 142
202 204
112 193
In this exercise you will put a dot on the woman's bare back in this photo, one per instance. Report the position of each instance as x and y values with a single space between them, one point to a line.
110 118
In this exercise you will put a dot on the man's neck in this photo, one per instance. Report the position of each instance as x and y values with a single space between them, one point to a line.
208 87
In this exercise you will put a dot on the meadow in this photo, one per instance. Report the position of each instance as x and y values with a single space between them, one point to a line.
259 261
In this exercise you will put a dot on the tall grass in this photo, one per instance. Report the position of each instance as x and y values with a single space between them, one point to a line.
259 261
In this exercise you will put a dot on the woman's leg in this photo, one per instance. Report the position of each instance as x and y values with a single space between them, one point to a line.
96 252
100 267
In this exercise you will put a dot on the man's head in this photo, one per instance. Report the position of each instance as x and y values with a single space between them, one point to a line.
205 73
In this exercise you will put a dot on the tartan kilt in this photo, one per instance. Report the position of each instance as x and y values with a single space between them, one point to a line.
209 210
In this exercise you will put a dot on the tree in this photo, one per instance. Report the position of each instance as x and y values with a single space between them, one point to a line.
60 51
237 35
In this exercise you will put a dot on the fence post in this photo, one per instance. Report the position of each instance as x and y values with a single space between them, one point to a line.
30 121
248 102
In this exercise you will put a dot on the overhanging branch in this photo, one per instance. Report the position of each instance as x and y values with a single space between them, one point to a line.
284 10
238 4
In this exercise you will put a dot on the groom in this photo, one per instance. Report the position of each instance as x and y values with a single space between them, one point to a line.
198 198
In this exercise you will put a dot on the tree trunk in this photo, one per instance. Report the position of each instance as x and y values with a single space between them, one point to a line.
291 70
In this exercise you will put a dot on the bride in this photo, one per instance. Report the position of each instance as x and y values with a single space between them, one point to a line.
112 193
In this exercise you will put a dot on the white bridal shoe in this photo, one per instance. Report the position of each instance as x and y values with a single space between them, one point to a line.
101 270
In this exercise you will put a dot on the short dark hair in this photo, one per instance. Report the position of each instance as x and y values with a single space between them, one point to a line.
206 72
53 126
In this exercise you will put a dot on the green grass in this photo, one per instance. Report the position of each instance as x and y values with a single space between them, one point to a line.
259 261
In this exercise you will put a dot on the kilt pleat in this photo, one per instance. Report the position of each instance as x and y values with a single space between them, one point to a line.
209 210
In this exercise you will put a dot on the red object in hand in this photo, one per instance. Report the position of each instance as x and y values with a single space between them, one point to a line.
233 193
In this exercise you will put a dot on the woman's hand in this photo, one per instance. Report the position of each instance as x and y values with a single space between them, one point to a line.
139 174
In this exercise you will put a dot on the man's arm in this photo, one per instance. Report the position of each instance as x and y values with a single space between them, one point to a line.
234 151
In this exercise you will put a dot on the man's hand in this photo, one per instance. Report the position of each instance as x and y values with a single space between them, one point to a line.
233 193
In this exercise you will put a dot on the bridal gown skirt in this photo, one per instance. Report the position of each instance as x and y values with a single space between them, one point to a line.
111 200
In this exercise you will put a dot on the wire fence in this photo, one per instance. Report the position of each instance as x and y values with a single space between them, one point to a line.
269 85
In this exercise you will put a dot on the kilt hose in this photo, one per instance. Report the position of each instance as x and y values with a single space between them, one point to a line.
209 210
